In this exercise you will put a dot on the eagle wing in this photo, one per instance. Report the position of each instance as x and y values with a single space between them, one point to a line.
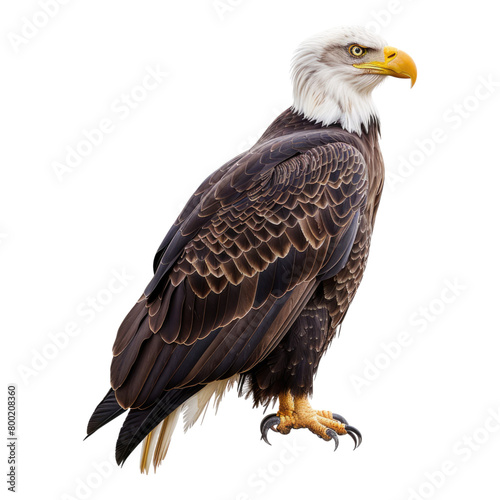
239 265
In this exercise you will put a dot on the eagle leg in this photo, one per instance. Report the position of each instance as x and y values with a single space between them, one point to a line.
297 413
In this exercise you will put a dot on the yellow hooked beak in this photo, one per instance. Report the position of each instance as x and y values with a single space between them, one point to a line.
397 63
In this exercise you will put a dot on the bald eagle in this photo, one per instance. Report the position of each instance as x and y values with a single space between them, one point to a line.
255 277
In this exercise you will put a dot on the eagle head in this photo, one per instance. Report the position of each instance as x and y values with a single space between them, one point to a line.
334 73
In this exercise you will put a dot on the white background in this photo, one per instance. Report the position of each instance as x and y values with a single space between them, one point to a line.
431 279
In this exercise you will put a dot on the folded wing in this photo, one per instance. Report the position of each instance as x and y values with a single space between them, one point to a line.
239 265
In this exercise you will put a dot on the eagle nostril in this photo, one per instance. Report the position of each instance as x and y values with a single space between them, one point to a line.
392 56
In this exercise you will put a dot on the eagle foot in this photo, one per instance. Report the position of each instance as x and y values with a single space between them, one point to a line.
296 413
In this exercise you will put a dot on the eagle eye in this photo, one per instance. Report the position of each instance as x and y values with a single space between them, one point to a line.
357 50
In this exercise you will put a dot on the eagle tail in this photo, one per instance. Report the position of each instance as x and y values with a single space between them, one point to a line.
155 425
139 423
156 443
155 446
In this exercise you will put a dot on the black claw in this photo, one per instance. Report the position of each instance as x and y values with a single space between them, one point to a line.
266 424
333 435
355 434
265 420
340 418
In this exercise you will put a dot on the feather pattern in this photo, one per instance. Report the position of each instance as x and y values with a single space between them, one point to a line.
262 263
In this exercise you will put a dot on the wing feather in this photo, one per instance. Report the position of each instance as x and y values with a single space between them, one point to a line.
239 267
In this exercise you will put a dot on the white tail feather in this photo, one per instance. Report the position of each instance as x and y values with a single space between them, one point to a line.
197 405
167 429
148 446
155 445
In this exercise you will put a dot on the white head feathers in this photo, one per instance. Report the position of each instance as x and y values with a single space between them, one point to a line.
327 88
